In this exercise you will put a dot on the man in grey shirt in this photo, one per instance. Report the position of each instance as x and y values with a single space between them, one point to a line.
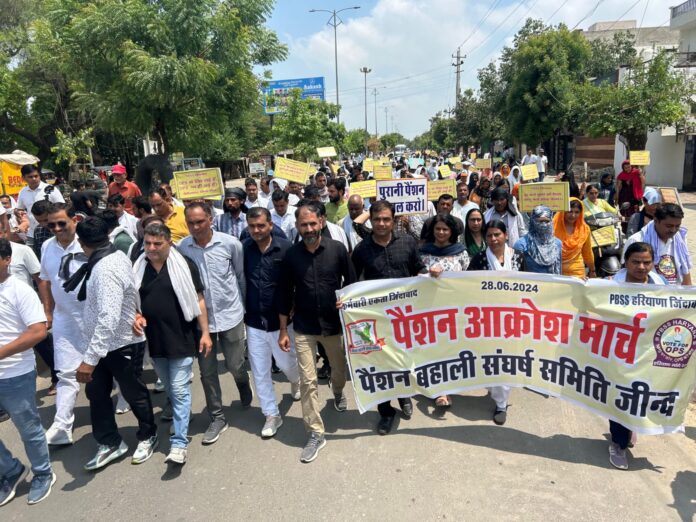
220 261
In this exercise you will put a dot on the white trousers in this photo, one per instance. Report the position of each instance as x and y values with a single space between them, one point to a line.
500 394
66 396
261 347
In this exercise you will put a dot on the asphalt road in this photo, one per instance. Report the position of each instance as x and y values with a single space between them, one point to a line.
549 462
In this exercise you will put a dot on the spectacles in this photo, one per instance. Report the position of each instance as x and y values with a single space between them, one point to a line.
61 224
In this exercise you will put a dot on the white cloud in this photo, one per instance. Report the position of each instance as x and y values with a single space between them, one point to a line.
405 38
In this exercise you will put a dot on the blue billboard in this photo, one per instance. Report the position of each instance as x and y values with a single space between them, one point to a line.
276 94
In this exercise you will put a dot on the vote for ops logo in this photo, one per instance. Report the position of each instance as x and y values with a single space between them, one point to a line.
674 342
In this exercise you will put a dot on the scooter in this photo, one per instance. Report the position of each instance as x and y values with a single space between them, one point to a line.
608 242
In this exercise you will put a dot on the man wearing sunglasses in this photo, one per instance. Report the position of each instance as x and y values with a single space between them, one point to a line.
61 256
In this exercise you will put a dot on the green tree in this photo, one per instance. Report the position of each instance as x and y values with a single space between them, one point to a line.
391 140
651 96
608 55
306 125
355 141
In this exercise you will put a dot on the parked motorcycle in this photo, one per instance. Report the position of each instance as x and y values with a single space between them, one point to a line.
607 242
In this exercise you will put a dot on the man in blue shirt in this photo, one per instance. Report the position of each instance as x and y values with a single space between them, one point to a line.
263 256
220 261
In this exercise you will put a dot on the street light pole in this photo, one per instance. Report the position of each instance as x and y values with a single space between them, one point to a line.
365 71
334 22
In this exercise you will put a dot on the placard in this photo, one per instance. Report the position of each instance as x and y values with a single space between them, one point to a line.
459 166
326 152
382 172
482 163
670 195
256 168
444 171
414 163
368 165
529 172
604 236
409 196
639 157
454 159
440 187
364 189
198 184
292 170
550 194
472 156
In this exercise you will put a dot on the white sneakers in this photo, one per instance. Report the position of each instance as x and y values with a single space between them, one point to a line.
177 456
295 391
58 437
145 450
270 428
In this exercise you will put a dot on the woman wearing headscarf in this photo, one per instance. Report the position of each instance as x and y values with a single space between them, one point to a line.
541 249
482 194
651 200
594 204
515 176
575 236
474 240
443 253
497 179
504 210
629 188
498 256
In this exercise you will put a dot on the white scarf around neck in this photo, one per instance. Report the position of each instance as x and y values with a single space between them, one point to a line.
493 262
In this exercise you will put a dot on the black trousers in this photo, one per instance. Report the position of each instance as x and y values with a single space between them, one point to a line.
385 409
620 434
45 351
125 365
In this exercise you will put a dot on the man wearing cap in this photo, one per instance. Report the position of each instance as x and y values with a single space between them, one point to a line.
233 221
120 185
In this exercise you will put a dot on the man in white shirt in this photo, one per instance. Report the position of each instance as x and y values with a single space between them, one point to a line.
128 221
542 163
462 206
23 325
283 214
254 198
530 157
668 240
34 191
25 265
62 256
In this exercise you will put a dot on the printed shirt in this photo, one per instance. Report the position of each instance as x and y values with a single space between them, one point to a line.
228 224
666 265
221 267
110 307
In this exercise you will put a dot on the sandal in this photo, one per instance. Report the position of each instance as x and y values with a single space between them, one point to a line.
443 402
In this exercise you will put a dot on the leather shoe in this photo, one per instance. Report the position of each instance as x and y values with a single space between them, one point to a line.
406 408
384 425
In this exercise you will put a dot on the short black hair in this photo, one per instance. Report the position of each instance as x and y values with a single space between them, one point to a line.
142 203
5 248
379 206
155 229
669 210
311 191
314 207
495 223
447 197
54 208
40 208
339 183
197 204
5 196
256 212
637 248
449 221
93 231
109 216
249 181
280 195
28 169
116 199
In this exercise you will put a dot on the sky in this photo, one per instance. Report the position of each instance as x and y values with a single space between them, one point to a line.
408 45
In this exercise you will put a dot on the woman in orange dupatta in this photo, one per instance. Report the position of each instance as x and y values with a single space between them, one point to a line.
576 241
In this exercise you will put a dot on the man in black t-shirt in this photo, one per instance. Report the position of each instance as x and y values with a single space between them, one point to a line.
171 312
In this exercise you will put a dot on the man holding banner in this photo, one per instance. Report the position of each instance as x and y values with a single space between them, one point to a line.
386 255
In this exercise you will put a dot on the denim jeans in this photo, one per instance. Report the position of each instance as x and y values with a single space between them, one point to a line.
175 374
17 397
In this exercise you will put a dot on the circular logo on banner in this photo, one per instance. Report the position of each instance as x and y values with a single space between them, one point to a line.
674 343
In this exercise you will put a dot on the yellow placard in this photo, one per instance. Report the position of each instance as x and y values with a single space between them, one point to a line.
368 165
292 170
12 181
326 152
550 194
483 163
198 184
364 189
440 187
670 195
454 159
382 172
622 351
639 157
444 171
458 166
604 236
529 172
472 156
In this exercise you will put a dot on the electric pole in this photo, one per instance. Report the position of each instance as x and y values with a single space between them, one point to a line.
459 60
386 123
374 93
365 71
